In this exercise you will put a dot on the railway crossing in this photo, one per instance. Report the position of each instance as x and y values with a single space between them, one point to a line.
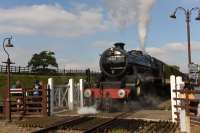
54 99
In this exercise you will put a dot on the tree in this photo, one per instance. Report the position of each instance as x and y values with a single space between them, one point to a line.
45 61
175 67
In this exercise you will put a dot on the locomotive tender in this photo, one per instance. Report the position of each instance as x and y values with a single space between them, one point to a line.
127 75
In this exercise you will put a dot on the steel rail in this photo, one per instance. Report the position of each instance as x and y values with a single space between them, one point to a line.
60 124
105 124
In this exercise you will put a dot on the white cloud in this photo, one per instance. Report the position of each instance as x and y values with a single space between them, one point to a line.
175 53
121 12
74 64
51 20
97 48
171 53
102 44
19 56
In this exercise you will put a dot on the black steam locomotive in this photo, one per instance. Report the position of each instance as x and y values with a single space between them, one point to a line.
129 74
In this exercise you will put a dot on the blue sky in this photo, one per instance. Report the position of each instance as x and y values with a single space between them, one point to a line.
79 30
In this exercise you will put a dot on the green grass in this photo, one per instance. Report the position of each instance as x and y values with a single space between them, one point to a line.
27 81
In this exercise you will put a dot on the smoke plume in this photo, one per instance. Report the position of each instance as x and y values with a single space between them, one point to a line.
126 12
87 110
144 7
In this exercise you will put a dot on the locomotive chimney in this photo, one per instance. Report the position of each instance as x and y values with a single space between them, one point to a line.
119 45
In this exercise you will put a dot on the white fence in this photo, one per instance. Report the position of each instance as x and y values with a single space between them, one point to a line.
65 97
176 83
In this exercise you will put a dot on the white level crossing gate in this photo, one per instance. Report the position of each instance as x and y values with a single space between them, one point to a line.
65 97
185 103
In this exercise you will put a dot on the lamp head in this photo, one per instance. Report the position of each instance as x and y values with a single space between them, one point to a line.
198 17
173 16
9 44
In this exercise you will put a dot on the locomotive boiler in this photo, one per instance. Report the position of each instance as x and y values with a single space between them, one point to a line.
127 75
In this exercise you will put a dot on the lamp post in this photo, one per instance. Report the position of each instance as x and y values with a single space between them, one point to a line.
8 102
188 14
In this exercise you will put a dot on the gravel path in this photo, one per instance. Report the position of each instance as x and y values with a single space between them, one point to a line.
13 128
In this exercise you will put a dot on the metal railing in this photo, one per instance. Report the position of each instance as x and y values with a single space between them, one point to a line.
25 70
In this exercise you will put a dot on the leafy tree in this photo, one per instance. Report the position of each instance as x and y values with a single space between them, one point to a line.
176 67
45 61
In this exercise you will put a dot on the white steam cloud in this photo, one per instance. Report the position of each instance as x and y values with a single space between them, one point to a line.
87 110
144 8
126 12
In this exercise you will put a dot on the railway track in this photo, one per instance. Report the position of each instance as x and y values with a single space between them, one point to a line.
105 124
91 124
60 124
134 126
79 123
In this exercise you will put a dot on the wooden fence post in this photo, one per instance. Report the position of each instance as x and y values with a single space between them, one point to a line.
19 69
24 99
44 100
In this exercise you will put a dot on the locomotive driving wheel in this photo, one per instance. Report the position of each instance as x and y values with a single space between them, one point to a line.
138 86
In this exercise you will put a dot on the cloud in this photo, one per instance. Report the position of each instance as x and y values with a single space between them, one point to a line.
79 65
95 50
122 12
19 56
127 12
102 44
175 53
51 20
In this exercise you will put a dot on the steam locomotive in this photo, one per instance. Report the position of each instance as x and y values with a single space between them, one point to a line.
126 75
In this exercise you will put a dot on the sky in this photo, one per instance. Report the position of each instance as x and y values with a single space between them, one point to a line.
78 31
